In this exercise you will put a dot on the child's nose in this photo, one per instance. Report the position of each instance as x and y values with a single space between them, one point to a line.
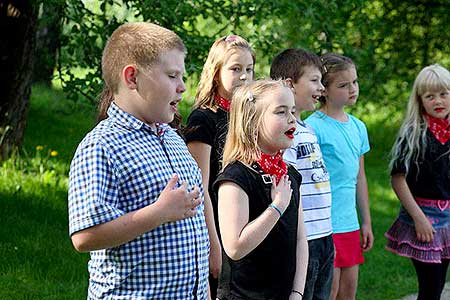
181 87
243 77
321 87
292 118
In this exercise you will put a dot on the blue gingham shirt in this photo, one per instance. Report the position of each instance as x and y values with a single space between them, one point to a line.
122 166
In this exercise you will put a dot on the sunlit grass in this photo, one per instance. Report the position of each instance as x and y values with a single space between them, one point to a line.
384 275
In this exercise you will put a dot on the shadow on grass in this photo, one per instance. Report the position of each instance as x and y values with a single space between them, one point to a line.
38 260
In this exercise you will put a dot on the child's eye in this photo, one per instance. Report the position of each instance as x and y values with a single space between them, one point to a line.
444 93
236 69
249 70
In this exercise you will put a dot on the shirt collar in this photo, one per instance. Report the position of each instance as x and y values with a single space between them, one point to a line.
124 119
301 123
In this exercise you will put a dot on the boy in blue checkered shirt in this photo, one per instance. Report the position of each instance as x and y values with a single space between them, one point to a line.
135 192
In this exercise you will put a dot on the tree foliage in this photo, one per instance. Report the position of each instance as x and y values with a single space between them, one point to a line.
390 40
48 40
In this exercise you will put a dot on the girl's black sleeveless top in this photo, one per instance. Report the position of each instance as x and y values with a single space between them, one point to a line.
268 271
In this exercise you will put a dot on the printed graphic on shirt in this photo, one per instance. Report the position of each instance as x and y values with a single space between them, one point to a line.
319 173
306 156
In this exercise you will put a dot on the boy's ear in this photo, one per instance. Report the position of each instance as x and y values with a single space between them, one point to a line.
129 75
290 84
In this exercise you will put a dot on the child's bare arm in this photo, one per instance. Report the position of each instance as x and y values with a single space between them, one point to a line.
240 237
202 153
173 204
302 257
362 199
423 227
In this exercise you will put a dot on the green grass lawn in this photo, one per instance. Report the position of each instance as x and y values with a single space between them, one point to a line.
384 275
37 260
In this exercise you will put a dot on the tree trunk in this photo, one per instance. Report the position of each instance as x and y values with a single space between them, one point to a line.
17 42
48 40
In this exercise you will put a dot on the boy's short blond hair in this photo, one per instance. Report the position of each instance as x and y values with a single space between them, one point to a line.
138 44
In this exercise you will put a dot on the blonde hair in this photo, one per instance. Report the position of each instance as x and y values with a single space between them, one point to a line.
411 140
246 115
218 54
138 44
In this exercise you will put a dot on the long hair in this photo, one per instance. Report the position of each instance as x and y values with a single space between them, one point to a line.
410 144
246 116
138 44
333 63
218 54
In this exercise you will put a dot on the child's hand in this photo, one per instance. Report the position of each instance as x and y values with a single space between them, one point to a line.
366 237
281 193
178 203
424 230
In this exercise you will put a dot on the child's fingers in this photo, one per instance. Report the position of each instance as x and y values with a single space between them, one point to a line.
364 241
172 183
184 186
195 202
195 193
431 237
190 213
424 237
369 243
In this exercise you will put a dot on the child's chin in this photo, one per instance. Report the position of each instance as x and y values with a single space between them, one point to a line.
288 144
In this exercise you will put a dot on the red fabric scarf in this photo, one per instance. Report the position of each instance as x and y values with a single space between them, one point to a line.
222 102
439 127
273 165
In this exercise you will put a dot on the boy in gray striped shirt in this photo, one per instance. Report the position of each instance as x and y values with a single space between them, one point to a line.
302 71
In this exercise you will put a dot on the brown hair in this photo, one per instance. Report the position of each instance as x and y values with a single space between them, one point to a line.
218 54
291 63
139 44
333 63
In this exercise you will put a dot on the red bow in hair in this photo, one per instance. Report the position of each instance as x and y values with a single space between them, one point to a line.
273 165
222 102
439 127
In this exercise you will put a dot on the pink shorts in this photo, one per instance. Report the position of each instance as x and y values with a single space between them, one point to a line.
348 250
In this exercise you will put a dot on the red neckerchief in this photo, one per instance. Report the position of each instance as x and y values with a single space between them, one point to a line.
273 165
222 102
439 127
